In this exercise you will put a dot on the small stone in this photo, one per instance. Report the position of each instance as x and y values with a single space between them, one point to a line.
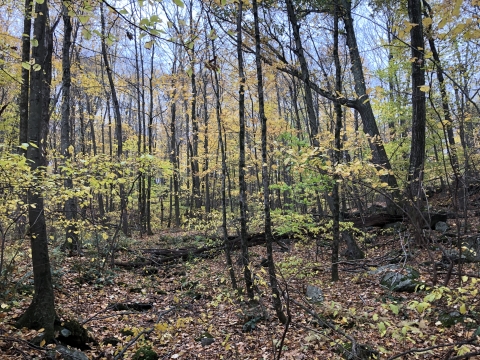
207 341
441 226
314 294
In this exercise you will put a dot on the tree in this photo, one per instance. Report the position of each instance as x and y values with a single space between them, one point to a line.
118 119
23 98
417 148
71 238
41 312
241 162
277 302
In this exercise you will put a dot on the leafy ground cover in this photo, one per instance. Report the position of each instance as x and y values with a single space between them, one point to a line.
187 309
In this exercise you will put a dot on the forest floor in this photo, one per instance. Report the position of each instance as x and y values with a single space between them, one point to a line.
192 301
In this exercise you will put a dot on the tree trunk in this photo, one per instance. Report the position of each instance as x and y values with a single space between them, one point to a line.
41 312
241 163
118 122
417 148
276 298
24 87
67 150
336 150
312 117
363 106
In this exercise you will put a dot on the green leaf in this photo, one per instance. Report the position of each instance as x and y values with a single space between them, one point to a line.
124 12
86 34
37 67
84 19
39 1
155 19
34 42
394 308
26 65
179 3
144 22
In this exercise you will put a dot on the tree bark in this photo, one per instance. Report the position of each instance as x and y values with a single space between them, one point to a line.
363 106
118 121
337 149
417 148
41 312
241 163
276 298
312 117
66 146
24 88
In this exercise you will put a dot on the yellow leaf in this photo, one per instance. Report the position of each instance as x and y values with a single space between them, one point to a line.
463 309
456 9
425 88
427 21
42 343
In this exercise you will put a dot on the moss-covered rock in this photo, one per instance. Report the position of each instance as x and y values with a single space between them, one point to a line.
145 353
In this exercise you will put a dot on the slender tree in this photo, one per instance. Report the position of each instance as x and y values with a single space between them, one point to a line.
118 119
277 302
66 146
417 148
24 95
241 162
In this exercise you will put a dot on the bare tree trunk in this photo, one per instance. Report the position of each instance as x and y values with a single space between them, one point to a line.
41 312
241 165
417 148
67 150
150 146
337 149
276 297
364 107
118 122
25 86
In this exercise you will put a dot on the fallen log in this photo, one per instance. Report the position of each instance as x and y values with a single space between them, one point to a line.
163 256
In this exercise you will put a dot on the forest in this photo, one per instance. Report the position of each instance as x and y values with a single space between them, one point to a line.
239 179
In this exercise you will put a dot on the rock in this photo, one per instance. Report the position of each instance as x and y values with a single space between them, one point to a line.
145 353
441 226
314 294
111 340
468 256
435 218
67 354
450 319
384 268
207 341
398 226
72 333
397 281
